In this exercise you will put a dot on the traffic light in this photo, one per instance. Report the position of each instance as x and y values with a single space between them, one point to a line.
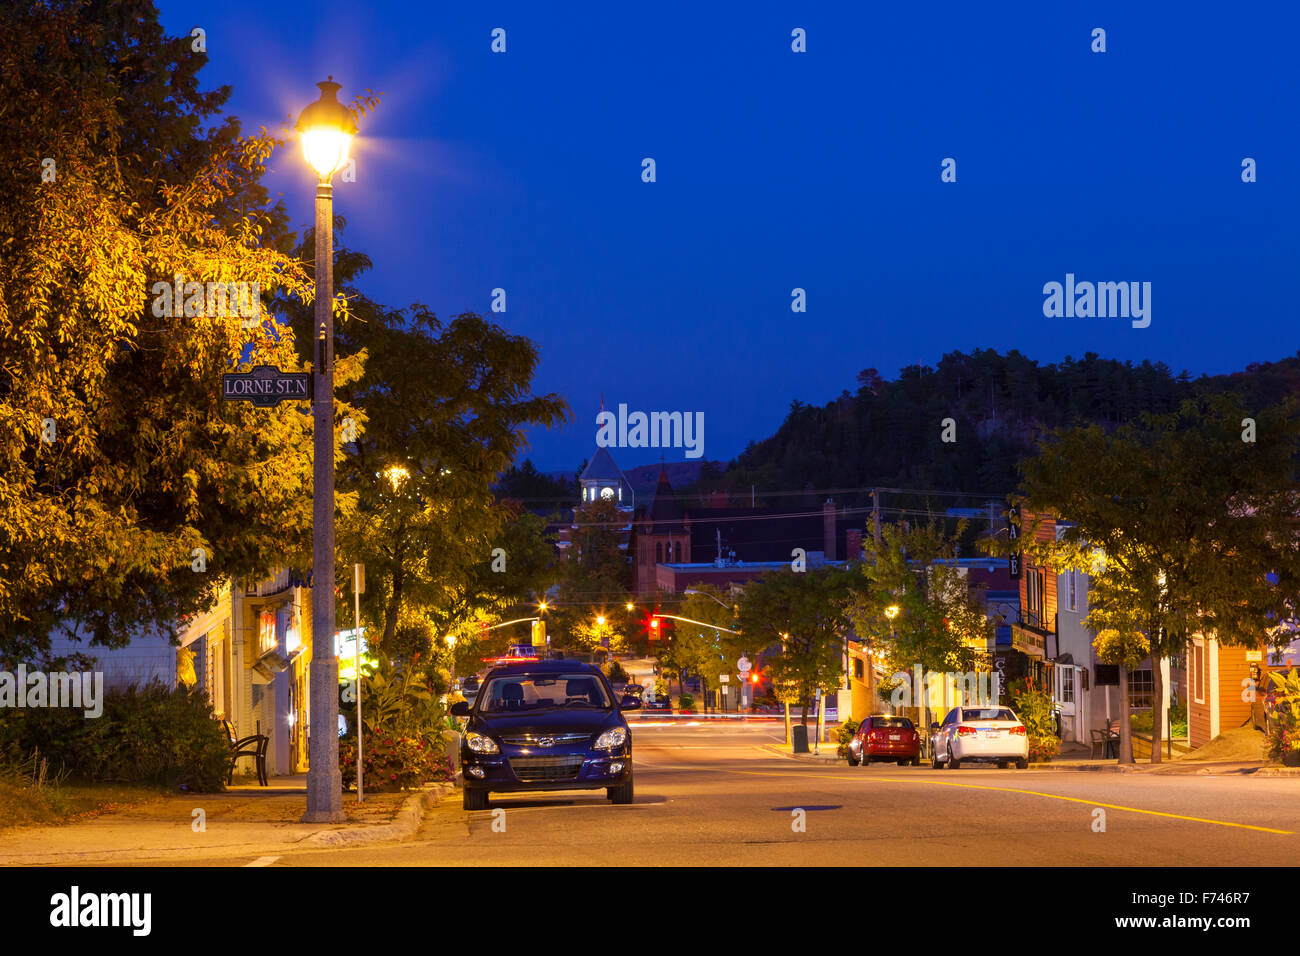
654 629
539 633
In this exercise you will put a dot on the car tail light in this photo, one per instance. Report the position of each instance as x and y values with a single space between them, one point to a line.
1018 731
965 731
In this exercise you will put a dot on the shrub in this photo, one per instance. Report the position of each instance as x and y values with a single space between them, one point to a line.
1285 720
847 730
150 734
403 745
1034 707
394 763
616 673
685 702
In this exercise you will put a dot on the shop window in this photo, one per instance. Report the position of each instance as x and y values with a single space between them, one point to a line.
858 670
1140 689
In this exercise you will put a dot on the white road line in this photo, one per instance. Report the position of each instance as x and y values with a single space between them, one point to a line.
262 861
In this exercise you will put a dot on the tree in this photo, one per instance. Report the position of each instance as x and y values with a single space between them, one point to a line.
714 651
1185 527
129 491
594 577
805 614
441 413
935 622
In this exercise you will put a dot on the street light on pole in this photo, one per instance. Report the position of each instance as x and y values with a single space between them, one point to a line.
326 128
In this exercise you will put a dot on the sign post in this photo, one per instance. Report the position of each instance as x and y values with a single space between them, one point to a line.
358 588
743 666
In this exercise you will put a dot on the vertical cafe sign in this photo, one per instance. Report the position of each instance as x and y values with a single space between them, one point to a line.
1014 562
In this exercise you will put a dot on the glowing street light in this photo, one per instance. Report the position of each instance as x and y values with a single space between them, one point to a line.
327 128
396 475
600 620
891 612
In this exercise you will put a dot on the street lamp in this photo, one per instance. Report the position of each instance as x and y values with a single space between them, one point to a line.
326 128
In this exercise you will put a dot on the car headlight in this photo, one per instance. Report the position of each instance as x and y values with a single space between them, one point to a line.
611 739
481 743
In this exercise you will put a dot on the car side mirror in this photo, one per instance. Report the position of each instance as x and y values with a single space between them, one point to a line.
934 726
630 703
460 708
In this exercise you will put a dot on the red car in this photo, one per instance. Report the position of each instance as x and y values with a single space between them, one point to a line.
884 737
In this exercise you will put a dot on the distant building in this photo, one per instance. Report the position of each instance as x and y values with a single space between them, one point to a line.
674 547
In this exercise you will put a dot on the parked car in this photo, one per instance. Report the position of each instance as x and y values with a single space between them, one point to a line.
469 687
979 734
885 737
545 725
661 703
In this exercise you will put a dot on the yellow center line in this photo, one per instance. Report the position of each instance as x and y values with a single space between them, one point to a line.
1032 793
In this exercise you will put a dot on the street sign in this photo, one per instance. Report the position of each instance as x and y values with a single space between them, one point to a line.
743 664
266 386
723 678
1016 558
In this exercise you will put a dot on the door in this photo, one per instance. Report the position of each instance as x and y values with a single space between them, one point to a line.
1066 693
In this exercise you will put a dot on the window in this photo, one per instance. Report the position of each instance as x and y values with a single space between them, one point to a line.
1140 688
858 670
1067 685
987 713
524 692
1034 592
954 715
891 723
677 552
659 552
1072 596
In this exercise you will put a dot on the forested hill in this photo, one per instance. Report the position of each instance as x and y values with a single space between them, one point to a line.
888 433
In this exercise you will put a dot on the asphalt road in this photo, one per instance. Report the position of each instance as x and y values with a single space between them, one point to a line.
707 795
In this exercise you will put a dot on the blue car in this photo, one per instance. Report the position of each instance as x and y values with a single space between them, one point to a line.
545 725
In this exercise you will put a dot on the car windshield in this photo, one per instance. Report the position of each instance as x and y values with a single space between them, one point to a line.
987 713
893 723
523 693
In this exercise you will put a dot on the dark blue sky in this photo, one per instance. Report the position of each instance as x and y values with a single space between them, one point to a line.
778 170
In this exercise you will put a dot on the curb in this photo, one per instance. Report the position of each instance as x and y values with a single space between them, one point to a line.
403 826
806 758
1277 772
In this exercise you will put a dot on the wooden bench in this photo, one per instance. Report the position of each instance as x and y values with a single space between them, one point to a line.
254 745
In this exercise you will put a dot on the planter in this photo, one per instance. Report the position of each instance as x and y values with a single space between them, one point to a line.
1291 758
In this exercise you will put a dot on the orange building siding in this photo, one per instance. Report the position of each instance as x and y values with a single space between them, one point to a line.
1233 669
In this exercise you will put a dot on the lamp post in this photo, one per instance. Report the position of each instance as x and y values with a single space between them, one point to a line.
326 128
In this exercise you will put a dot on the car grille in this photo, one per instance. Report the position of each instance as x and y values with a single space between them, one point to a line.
535 769
530 740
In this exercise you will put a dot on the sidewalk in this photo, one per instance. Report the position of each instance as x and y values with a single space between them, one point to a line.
1074 757
246 819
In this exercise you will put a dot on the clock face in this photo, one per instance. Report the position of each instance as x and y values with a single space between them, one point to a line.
607 493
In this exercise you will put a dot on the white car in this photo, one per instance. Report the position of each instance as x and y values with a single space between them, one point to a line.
970 734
